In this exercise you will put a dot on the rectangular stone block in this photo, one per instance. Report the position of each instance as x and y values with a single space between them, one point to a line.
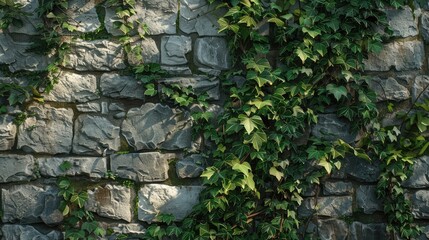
15 168
7 132
327 206
95 167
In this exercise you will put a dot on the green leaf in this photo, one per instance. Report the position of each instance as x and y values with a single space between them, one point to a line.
64 184
257 139
312 32
276 173
277 21
259 65
325 164
208 173
259 104
248 20
250 123
337 91
303 54
79 198
244 167
173 231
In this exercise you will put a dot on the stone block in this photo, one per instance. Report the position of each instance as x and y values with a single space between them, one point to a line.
332 128
402 56
15 168
420 176
95 135
212 52
15 55
94 167
374 231
418 87
30 204
156 199
191 166
337 188
159 16
361 170
174 49
200 17
366 199
97 55
93 107
420 204
111 201
338 206
199 84
149 52
83 15
47 130
330 229
424 26
17 232
141 167
7 132
129 229
402 22
156 126
389 89
31 21
73 87
117 86
177 70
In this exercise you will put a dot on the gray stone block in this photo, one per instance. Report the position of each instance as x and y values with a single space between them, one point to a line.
155 199
149 52
73 87
89 107
83 15
50 130
375 231
212 52
174 49
154 126
326 206
7 132
191 166
417 88
424 29
129 229
97 55
420 176
200 85
402 22
361 170
159 16
111 201
200 17
141 167
94 167
31 21
408 55
26 232
332 128
420 203
28 203
117 86
337 188
15 168
177 70
330 229
367 200
95 135
15 55
389 89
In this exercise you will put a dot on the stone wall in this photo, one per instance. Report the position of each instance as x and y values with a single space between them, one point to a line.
98 119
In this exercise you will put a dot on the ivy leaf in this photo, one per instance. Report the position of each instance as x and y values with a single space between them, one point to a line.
257 139
276 173
325 164
250 123
248 20
208 173
312 32
259 65
337 91
302 54
313 153
259 104
79 198
173 230
277 21
250 182
244 167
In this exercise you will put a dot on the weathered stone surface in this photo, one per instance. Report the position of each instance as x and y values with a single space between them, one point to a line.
419 85
27 203
111 201
337 188
31 21
420 203
200 17
327 206
402 22
117 86
95 167
155 126
174 49
141 167
95 135
50 130
191 166
367 200
98 55
424 29
73 87
16 168
400 55
210 71
130 229
359 169
332 229
177 70
89 107
389 89
332 128
83 15
17 232
14 54
375 231
159 16
149 52
212 52
116 107
158 198
420 176
7 132
199 84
